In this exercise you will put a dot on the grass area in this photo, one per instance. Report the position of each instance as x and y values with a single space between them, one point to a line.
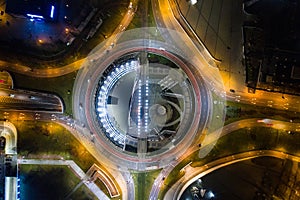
32 54
50 182
61 86
83 193
217 113
112 18
175 175
143 16
50 140
143 182
237 111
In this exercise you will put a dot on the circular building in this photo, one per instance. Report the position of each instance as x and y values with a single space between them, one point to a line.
144 103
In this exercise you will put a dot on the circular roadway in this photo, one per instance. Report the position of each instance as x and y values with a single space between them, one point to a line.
85 92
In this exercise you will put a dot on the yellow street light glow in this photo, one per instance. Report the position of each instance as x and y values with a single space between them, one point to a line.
279 126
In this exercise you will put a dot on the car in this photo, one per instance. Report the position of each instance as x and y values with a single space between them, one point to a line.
268 122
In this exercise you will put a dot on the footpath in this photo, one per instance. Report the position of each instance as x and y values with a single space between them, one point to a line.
75 168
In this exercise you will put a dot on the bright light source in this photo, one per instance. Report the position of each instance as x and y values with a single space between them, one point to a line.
52 12
193 2
101 104
35 16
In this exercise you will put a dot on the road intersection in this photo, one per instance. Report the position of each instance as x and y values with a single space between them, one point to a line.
166 21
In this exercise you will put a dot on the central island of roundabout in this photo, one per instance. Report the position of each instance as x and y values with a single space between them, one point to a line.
142 106
142 101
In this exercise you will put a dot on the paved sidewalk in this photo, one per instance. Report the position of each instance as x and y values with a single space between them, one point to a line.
76 169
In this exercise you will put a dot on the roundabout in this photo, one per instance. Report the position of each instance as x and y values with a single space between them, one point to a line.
143 107
142 101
